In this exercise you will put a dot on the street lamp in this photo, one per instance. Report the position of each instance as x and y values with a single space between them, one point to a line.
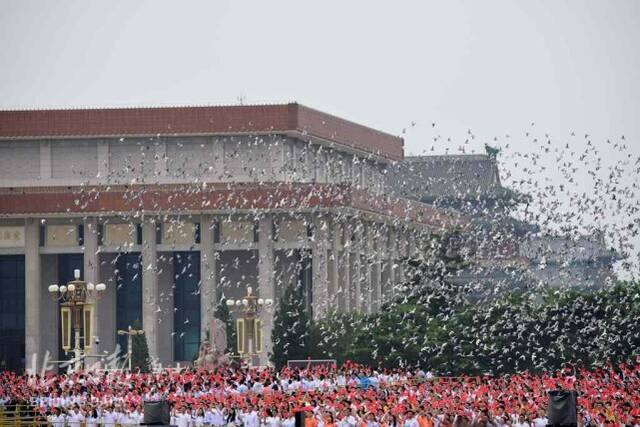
249 326
130 333
76 306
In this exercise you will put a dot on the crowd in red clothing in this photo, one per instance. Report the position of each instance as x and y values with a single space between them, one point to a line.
607 396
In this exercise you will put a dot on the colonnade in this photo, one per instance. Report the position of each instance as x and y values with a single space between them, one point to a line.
355 262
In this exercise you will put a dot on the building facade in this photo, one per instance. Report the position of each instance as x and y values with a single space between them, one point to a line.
176 208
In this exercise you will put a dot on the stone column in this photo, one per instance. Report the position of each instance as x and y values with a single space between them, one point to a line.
265 283
92 274
32 294
357 274
208 279
381 251
376 273
345 264
165 325
150 294
106 328
393 260
49 310
367 254
385 264
401 251
334 278
320 285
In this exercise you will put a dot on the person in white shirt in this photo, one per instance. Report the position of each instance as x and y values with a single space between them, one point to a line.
318 416
272 420
347 419
257 387
92 418
306 384
294 385
410 419
76 417
198 418
120 415
251 418
521 422
137 416
57 419
289 420
109 417
124 419
215 416
370 420
208 416
501 418
541 420
183 418
173 417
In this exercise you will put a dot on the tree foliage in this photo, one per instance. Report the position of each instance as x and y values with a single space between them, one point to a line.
441 326
140 351
291 328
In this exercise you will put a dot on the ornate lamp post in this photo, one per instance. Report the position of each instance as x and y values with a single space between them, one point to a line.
248 325
130 333
76 306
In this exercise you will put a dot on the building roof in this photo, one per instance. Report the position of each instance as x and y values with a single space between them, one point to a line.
292 118
451 177
215 198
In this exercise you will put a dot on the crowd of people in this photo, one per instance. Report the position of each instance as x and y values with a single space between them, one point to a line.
349 396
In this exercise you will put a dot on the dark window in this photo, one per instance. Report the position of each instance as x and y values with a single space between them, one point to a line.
275 230
138 234
216 231
256 231
12 307
186 301
80 235
197 233
128 295
41 235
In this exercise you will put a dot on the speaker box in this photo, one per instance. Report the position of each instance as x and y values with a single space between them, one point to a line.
156 412
299 417
563 408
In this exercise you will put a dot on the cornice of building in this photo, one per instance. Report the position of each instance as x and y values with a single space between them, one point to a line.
145 199
302 121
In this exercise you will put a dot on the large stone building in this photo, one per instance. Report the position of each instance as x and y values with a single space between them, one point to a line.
174 208
504 252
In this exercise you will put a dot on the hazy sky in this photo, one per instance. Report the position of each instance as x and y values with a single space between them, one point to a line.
492 67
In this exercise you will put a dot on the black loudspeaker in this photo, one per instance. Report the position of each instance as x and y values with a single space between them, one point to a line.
156 412
563 408
299 416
